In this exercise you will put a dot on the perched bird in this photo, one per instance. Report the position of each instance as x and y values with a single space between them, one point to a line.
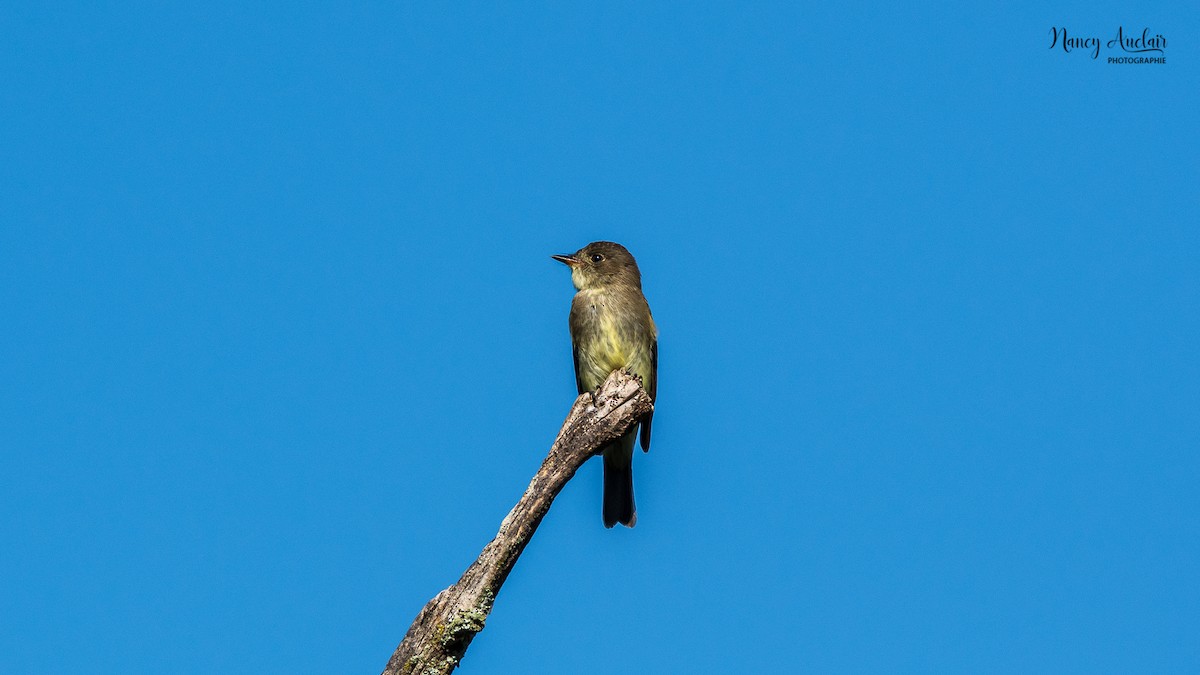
611 328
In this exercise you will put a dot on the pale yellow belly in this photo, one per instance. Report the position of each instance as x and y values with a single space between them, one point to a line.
607 351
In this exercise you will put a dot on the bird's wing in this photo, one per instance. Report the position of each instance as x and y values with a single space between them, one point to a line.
653 391
575 358
573 320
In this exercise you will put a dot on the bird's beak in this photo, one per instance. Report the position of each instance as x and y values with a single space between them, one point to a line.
568 260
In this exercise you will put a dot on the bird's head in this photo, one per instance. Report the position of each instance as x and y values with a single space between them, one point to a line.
600 264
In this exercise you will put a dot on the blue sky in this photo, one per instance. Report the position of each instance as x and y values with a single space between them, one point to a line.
283 342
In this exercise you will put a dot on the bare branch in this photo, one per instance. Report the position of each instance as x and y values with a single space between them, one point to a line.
442 631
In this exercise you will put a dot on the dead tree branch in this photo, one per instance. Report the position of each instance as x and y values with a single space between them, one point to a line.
442 631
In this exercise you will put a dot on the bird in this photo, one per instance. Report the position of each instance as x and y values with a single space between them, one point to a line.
612 328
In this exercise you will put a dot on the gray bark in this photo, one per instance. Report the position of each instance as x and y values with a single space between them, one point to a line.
442 631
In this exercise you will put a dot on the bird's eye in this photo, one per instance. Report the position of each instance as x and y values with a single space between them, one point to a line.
597 258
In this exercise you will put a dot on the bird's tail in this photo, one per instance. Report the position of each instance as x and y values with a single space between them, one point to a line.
618 482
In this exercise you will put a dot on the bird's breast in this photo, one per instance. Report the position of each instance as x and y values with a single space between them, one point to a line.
609 335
